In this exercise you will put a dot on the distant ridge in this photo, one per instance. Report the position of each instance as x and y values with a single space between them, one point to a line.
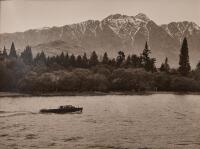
115 32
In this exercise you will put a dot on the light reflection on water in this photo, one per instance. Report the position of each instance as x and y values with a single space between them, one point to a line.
113 121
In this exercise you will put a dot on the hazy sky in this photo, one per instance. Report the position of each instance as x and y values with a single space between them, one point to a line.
20 15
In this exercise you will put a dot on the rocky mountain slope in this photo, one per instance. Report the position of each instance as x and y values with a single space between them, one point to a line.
114 33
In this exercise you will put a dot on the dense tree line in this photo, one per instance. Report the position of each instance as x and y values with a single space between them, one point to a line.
69 72
83 61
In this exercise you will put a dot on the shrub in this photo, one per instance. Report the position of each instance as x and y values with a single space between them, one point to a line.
131 79
162 81
184 84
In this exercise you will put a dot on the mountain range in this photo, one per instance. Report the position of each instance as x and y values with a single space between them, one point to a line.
112 34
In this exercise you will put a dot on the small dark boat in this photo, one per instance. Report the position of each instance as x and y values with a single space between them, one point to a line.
63 110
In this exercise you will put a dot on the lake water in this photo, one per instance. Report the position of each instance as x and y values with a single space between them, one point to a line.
156 121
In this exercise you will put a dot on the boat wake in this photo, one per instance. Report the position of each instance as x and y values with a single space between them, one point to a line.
14 113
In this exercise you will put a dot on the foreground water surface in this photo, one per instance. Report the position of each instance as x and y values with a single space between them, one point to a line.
114 121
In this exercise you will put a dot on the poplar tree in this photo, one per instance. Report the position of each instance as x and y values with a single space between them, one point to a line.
184 64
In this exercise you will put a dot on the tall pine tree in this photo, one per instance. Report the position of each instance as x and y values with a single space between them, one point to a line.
146 52
62 59
5 52
85 61
79 61
27 56
105 58
13 53
145 56
72 60
66 61
184 64
147 62
93 61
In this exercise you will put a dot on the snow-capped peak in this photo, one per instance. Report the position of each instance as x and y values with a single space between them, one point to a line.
124 23
117 21
116 16
143 17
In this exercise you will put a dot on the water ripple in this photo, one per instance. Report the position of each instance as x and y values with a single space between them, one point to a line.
31 136
106 147
72 139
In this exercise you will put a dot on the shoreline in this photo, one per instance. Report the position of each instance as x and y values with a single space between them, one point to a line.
18 94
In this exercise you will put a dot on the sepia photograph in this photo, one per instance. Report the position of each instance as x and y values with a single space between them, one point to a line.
99 74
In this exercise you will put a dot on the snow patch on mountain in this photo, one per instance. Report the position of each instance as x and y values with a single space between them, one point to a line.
178 30
123 24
